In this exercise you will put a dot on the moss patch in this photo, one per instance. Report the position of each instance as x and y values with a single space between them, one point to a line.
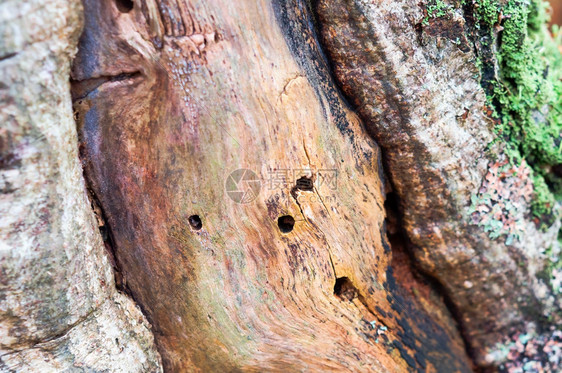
526 91
437 9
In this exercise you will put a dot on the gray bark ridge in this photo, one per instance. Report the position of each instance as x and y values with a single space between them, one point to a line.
59 308
419 94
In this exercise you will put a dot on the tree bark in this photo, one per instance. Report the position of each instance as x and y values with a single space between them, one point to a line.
418 89
173 97
59 308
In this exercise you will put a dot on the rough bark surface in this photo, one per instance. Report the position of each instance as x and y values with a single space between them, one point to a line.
59 308
417 86
170 98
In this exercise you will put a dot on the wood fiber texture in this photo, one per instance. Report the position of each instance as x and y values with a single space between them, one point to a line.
171 97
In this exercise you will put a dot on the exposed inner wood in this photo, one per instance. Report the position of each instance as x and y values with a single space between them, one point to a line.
171 98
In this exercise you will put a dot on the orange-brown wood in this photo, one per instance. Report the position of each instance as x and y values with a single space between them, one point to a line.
171 98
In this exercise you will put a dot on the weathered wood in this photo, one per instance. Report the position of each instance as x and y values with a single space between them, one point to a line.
59 309
242 204
170 98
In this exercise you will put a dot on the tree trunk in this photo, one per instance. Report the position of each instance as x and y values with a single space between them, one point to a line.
264 220
59 308
466 207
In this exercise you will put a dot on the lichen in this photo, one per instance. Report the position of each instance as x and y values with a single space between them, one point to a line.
499 205
526 92
528 352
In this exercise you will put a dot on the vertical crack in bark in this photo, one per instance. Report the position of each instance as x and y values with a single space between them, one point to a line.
106 234
104 226
398 240
483 51
315 189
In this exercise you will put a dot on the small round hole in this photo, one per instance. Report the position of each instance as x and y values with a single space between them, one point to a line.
305 183
344 289
124 6
195 222
286 223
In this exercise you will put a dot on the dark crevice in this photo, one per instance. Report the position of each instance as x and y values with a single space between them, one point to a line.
402 247
394 228
110 246
418 27
124 6
109 242
7 56
107 237
120 279
301 33
305 184
195 222
82 88
344 289
482 40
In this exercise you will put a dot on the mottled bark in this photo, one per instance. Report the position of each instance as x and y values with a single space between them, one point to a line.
59 309
242 204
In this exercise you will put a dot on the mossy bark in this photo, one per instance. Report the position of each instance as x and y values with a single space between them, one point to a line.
469 166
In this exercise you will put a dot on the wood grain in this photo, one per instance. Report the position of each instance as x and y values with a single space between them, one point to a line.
172 97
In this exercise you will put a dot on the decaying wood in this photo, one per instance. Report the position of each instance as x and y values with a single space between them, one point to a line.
59 309
170 98
238 200
418 89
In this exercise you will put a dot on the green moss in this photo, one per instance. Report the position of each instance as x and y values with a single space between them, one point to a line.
543 202
527 91
487 12
436 9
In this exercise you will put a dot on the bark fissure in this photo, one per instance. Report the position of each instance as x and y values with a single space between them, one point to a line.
8 56
415 269
60 310
107 235
109 242
156 163
398 240
61 334
82 88
375 52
